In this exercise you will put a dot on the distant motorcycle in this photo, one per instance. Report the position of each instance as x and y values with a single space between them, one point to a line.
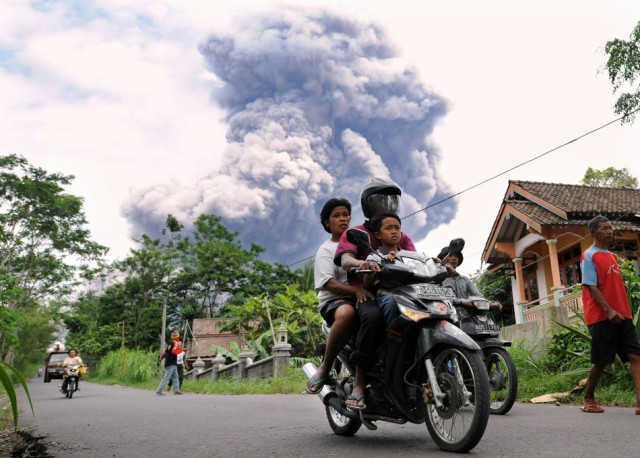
40 372
71 375
477 324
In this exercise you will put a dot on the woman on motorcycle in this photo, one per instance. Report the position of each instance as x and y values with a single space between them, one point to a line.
337 299
71 360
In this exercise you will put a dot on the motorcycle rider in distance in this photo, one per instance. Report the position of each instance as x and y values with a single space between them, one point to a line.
462 286
380 195
71 360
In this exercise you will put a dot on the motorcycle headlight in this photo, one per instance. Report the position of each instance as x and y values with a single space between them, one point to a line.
482 305
417 267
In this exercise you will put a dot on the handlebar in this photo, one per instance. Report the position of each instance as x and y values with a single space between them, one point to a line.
471 304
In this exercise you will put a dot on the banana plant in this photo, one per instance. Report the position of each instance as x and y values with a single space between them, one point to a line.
7 384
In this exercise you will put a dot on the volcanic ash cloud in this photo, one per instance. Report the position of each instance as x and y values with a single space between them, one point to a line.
317 104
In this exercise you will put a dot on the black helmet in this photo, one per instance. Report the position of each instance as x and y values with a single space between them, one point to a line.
380 195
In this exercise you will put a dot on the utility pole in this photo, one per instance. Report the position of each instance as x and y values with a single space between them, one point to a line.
163 340
122 347
273 334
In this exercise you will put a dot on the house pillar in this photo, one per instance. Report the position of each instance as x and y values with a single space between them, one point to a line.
520 300
553 260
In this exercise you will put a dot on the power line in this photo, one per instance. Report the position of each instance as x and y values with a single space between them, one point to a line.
501 173
520 165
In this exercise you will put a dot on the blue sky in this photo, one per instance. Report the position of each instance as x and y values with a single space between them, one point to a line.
117 94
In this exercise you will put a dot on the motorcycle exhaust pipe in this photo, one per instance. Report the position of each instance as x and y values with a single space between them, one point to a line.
327 395
310 370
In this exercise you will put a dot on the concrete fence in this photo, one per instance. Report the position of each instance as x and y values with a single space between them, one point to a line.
541 319
245 368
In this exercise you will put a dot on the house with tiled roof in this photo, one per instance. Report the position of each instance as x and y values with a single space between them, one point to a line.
541 231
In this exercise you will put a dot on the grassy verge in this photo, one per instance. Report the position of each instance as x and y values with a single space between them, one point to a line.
141 370
535 380
292 382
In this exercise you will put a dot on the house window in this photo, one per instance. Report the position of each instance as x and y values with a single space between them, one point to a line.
569 262
530 282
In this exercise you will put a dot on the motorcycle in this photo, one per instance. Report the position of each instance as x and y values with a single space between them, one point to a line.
71 375
477 324
40 372
431 372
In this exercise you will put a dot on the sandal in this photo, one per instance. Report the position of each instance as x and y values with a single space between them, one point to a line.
358 400
314 385
591 406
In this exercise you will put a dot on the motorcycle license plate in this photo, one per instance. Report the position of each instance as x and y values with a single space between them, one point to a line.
429 289
486 328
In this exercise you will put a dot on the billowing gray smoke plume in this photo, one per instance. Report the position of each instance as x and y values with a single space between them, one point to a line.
317 105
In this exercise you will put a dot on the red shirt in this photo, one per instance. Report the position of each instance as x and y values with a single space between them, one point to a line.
600 268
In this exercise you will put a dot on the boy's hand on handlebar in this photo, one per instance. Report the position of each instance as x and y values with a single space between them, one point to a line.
372 266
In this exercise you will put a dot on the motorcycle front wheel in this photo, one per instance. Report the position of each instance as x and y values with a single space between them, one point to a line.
503 380
460 423
341 425
71 387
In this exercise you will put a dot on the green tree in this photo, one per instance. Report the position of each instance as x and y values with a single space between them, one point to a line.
42 238
41 227
609 178
217 269
296 310
623 66
137 299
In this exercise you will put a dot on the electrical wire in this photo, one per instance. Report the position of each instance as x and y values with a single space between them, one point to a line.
500 174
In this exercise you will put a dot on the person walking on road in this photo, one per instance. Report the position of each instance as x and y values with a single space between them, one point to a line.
171 365
606 313
181 360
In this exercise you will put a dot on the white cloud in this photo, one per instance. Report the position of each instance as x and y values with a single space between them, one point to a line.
125 105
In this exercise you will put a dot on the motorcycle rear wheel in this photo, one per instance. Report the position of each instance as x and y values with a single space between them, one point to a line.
341 425
503 380
460 424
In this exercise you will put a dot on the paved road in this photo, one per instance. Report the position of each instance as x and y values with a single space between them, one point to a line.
112 421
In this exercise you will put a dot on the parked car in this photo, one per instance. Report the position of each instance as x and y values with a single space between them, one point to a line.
53 365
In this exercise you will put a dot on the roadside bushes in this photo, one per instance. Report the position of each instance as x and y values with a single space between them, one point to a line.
139 366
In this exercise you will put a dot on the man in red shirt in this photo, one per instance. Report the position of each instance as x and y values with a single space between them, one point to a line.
606 313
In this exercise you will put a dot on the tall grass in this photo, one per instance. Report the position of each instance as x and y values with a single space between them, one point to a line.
291 382
538 375
140 367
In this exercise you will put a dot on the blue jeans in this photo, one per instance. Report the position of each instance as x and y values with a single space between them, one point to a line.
387 304
170 372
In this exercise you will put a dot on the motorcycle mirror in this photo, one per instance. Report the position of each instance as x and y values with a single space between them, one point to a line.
455 246
499 294
359 238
